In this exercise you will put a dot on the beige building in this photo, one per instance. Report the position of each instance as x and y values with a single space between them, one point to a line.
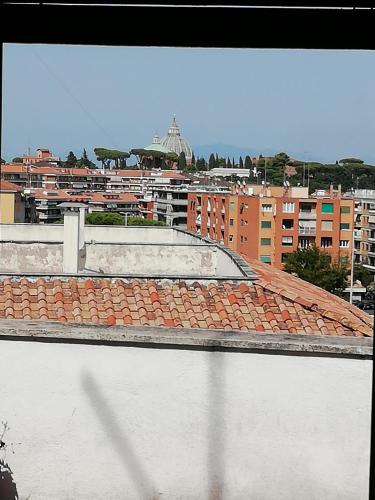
12 205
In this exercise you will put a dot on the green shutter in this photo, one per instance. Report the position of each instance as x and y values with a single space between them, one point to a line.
344 225
345 210
266 224
265 258
327 208
265 241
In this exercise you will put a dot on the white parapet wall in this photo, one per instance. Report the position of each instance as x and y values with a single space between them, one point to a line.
34 248
104 234
124 421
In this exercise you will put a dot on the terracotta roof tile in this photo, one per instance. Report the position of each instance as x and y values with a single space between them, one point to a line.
230 306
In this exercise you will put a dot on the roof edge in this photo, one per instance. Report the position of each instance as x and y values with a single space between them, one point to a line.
313 345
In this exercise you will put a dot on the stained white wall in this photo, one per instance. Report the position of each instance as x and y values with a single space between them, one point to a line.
107 234
109 422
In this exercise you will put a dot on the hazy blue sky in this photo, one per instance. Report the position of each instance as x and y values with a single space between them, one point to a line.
321 103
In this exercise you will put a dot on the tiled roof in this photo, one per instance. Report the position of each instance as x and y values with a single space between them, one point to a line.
9 186
13 168
311 297
244 306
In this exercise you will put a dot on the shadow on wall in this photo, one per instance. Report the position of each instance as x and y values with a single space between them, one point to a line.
216 426
215 432
117 437
8 488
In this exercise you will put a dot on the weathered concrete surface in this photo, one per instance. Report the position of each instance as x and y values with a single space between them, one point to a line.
30 257
109 421
145 259
100 234
190 337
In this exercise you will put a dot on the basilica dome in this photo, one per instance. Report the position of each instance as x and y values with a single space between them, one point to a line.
174 142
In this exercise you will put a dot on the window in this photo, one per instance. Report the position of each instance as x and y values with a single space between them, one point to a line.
241 239
284 257
327 208
231 205
231 237
265 258
266 224
265 241
326 242
344 243
244 222
345 210
266 207
327 225
231 222
287 240
343 260
288 224
345 225
288 207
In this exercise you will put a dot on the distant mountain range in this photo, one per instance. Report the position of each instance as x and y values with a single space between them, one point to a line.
228 150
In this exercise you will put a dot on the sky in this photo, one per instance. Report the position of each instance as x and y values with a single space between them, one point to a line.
318 103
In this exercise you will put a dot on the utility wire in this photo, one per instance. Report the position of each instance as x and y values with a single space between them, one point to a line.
70 93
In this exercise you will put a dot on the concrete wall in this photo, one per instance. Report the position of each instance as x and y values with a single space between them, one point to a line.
108 234
109 422
31 257
169 252
152 259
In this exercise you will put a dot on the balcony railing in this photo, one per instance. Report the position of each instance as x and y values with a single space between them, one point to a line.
308 215
307 231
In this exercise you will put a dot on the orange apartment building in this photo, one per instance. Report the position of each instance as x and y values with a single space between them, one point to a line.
267 224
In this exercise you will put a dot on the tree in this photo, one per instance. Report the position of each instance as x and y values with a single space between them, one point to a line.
105 156
105 219
85 162
182 161
241 162
71 160
362 274
248 162
200 164
315 266
193 159
17 159
140 221
233 163
229 165
211 161
351 160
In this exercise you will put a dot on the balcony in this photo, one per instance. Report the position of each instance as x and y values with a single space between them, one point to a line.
307 215
307 231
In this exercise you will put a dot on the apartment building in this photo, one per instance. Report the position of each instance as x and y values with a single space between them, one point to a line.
30 176
12 203
49 212
364 232
271 223
171 205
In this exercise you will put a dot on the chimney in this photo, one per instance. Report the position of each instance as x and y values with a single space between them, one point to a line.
74 251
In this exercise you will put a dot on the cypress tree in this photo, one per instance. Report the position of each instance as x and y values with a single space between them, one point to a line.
193 159
248 162
211 162
229 163
241 162
71 160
